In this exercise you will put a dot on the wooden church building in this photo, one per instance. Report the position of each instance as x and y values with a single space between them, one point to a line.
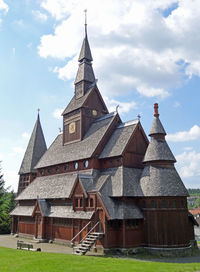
101 178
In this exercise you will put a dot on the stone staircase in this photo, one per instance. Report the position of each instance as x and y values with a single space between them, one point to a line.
87 243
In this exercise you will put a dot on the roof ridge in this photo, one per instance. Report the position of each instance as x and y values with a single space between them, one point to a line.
128 123
106 116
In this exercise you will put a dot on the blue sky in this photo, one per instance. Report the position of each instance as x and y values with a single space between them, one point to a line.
144 52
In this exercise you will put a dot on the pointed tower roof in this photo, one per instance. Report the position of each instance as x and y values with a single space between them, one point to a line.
157 127
158 149
85 71
35 149
85 51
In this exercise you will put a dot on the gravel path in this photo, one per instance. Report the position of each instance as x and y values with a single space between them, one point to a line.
11 242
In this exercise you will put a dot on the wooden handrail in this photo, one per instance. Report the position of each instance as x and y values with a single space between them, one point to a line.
80 231
90 231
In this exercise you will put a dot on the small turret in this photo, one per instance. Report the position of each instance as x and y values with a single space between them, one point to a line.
159 176
158 149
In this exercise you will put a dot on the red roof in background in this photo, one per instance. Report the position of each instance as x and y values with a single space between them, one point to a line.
195 211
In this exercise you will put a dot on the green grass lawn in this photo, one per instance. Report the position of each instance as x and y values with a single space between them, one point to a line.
24 261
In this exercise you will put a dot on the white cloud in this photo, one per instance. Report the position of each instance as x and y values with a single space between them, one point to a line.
3 6
25 135
11 178
18 150
135 47
58 9
57 113
39 15
188 164
183 136
124 107
187 148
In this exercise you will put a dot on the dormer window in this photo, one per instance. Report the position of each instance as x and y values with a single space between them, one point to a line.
78 202
91 202
57 169
42 172
76 166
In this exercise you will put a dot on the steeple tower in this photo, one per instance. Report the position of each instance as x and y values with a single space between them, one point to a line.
87 103
85 75
34 151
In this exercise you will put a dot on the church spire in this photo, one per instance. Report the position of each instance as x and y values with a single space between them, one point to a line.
85 75
35 149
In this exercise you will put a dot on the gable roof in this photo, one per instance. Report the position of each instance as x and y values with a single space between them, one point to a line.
75 104
119 140
48 187
57 153
35 149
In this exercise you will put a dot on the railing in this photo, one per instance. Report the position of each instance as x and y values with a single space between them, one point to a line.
79 233
90 231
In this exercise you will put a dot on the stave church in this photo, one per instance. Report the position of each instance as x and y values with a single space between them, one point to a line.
101 183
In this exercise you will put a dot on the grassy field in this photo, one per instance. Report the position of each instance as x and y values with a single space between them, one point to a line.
24 261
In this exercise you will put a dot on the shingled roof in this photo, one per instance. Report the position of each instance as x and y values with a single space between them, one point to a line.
75 104
85 50
157 127
85 72
49 187
25 210
161 181
158 150
119 139
57 153
35 149
117 208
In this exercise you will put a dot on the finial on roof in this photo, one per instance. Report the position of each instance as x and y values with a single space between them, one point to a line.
85 10
117 107
38 110
139 116
156 114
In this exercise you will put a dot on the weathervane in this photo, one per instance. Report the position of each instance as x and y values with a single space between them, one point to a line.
85 10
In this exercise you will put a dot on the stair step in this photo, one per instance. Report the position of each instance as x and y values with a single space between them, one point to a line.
87 244
90 239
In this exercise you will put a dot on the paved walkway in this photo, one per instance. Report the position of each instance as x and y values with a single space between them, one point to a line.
11 242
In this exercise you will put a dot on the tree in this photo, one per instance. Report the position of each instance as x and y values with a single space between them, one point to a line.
7 204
